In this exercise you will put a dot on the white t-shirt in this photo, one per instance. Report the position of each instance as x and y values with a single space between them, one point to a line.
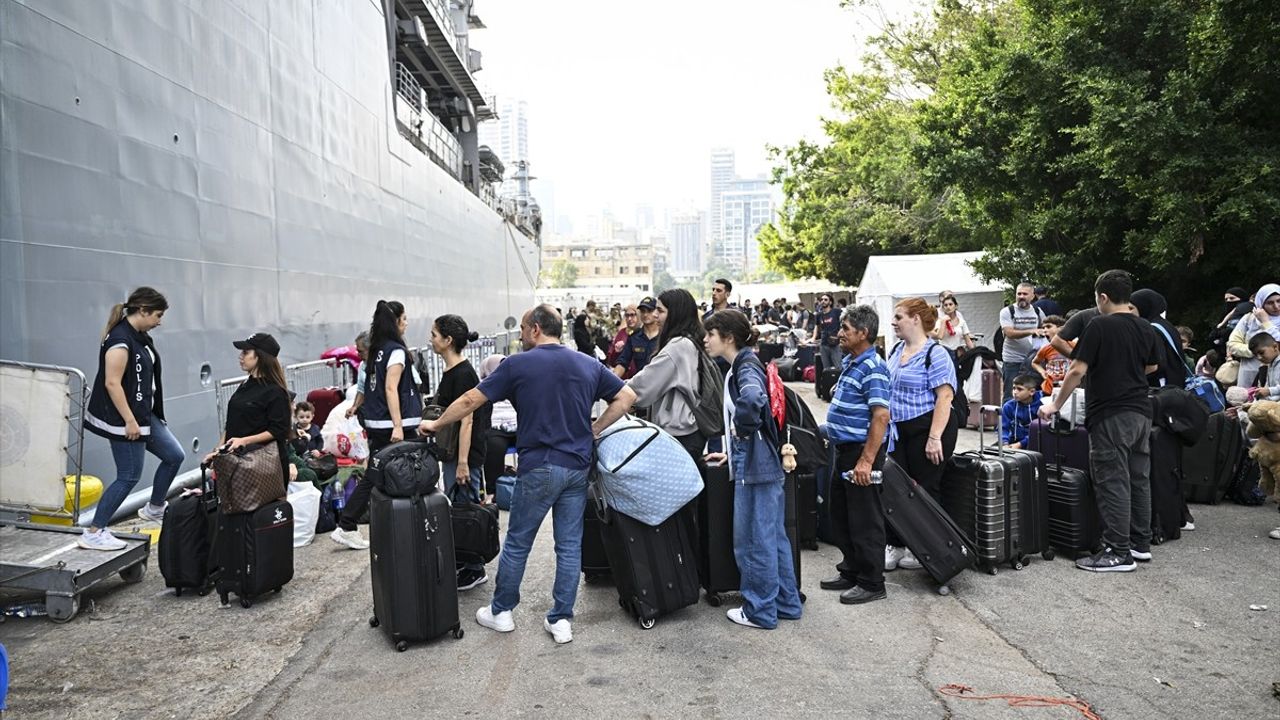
959 329
1018 350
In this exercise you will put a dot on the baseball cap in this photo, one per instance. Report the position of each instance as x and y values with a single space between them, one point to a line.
647 303
260 342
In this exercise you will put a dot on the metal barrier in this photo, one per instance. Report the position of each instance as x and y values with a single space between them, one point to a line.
301 378
16 426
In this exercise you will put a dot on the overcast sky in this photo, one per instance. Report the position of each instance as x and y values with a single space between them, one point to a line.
626 99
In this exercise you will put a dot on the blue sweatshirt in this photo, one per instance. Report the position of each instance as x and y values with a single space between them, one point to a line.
1015 423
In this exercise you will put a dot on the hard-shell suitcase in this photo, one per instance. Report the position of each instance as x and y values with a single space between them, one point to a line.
595 561
1209 466
717 565
1166 486
324 400
827 383
654 566
807 508
1065 447
824 478
935 540
187 537
255 552
415 585
992 390
1075 526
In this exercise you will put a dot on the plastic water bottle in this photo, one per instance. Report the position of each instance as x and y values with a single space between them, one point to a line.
339 497
877 477
27 610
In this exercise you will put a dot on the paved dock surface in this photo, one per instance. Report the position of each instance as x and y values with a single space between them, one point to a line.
1176 639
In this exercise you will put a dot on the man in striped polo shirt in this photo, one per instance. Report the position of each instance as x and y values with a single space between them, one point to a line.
858 424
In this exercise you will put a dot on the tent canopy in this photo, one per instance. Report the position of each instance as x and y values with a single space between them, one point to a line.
890 278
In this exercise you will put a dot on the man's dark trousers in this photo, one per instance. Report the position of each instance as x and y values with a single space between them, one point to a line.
857 521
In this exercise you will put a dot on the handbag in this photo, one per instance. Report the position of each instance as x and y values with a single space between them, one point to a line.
475 528
325 467
446 437
249 477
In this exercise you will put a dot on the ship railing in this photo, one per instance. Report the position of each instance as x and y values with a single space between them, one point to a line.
444 20
426 130
301 378
407 87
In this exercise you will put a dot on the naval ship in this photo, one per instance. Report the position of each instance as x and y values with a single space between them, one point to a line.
269 166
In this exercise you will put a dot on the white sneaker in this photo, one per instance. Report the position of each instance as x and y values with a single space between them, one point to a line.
502 622
1140 555
1188 525
908 561
351 538
100 540
560 630
151 514
1274 534
740 617
893 556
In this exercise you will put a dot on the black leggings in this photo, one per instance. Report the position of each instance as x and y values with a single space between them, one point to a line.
359 501
694 443
909 453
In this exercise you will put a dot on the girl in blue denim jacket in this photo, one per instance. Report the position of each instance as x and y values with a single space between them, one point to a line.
760 545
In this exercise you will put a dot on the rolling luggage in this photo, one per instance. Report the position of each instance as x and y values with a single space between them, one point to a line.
324 400
788 369
806 509
1065 447
1075 525
932 535
187 537
654 566
992 390
791 523
255 552
824 479
827 383
1209 466
595 562
769 351
415 585
1166 486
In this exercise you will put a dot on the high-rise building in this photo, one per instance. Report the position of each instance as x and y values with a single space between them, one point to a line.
722 174
746 206
644 217
508 136
687 243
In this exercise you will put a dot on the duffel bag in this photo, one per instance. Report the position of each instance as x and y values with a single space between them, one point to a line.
475 528
404 469
644 472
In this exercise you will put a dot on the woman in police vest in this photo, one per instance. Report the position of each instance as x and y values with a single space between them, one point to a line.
392 406
127 408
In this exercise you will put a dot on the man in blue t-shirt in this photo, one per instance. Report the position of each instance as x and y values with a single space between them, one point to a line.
826 331
552 388
858 424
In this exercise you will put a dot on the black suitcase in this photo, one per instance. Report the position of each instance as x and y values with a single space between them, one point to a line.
827 382
769 351
415 585
932 535
595 561
717 565
807 509
653 566
255 552
475 529
788 369
187 537
1209 466
1166 486
1075 526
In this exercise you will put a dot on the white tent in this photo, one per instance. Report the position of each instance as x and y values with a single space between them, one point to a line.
890 278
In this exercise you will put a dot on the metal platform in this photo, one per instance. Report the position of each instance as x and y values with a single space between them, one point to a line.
44 558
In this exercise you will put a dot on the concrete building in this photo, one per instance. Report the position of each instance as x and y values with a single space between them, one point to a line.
606 266
688 242
508 136
722 174
746 206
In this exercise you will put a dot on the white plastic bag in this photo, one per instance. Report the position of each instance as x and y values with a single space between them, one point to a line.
305 499
1071 409
343 436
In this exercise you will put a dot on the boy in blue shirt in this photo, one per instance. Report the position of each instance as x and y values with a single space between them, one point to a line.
1015 421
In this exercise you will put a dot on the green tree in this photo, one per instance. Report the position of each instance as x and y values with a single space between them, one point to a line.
561 274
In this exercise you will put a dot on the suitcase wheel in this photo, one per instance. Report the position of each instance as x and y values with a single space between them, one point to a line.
402 645
648 623
1047 554
246 603
134 573
1018 564
714 599
458 632
373 622
225 597
177 592
204 591
944 589
992 570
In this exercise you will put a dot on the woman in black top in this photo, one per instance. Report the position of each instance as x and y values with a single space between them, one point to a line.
392 406
582 335
127 408
465 465
258 411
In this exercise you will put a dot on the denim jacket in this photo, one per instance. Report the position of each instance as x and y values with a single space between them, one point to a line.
753 443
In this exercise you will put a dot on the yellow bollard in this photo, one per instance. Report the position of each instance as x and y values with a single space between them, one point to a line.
90 493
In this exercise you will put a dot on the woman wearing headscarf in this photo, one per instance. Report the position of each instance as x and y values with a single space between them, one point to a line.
1172 369
1264 318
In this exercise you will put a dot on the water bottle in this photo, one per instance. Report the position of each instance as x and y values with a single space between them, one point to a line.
877 477
27 610
339 497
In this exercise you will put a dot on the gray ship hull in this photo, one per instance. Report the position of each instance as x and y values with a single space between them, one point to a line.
243 158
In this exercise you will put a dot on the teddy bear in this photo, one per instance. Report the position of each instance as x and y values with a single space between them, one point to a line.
1264 425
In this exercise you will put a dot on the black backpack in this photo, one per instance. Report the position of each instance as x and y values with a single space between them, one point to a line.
959 401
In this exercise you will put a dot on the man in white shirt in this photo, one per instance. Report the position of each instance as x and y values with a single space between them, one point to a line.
1024 334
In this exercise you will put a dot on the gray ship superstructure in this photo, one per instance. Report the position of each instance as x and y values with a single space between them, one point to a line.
270 166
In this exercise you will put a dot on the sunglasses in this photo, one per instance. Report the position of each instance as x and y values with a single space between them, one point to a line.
628 314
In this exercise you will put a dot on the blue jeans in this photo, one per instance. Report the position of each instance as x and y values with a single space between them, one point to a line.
129 456
471 491
538 490
763 551
1008 371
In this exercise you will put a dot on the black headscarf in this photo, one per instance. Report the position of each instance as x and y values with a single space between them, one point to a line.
1172 369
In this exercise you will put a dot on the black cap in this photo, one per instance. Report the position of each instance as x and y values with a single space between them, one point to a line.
647 303
260 342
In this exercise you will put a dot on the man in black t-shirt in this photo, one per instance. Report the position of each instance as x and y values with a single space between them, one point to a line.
1118 350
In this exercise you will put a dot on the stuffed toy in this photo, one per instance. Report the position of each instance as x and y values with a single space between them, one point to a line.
788 457
1264 425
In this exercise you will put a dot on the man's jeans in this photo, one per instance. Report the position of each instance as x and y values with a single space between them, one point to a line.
1010 370
763 551
1120 461
129 456
538 490
470 491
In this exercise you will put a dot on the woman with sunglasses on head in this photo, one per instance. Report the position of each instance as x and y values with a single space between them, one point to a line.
126 406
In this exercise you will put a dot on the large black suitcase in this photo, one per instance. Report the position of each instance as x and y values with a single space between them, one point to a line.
415 585
788 369
653 566
255 552
187 540
1075 526
1061 446
827 382
595 561
807 508
1209 466
717 565
932 535
1166 486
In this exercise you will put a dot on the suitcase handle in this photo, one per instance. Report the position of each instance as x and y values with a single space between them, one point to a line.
982 442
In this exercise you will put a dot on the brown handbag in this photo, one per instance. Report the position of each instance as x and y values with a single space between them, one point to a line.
249 477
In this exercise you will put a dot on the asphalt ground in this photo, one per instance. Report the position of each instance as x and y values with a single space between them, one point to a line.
1176 639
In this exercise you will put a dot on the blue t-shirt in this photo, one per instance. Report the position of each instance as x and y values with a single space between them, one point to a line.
863 384
638 351
552 387
829 326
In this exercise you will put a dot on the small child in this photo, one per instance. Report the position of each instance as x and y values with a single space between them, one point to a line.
1019 411
1187 336
303 413
1265 348
1051 364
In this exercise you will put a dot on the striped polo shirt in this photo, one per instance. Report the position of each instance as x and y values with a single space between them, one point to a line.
914 385
863 384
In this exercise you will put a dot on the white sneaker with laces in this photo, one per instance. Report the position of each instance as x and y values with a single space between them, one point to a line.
908 561
502 622
1140 555
561 631
1188 526
738 616
151 514
1274 534
100 540
351 538
892 556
